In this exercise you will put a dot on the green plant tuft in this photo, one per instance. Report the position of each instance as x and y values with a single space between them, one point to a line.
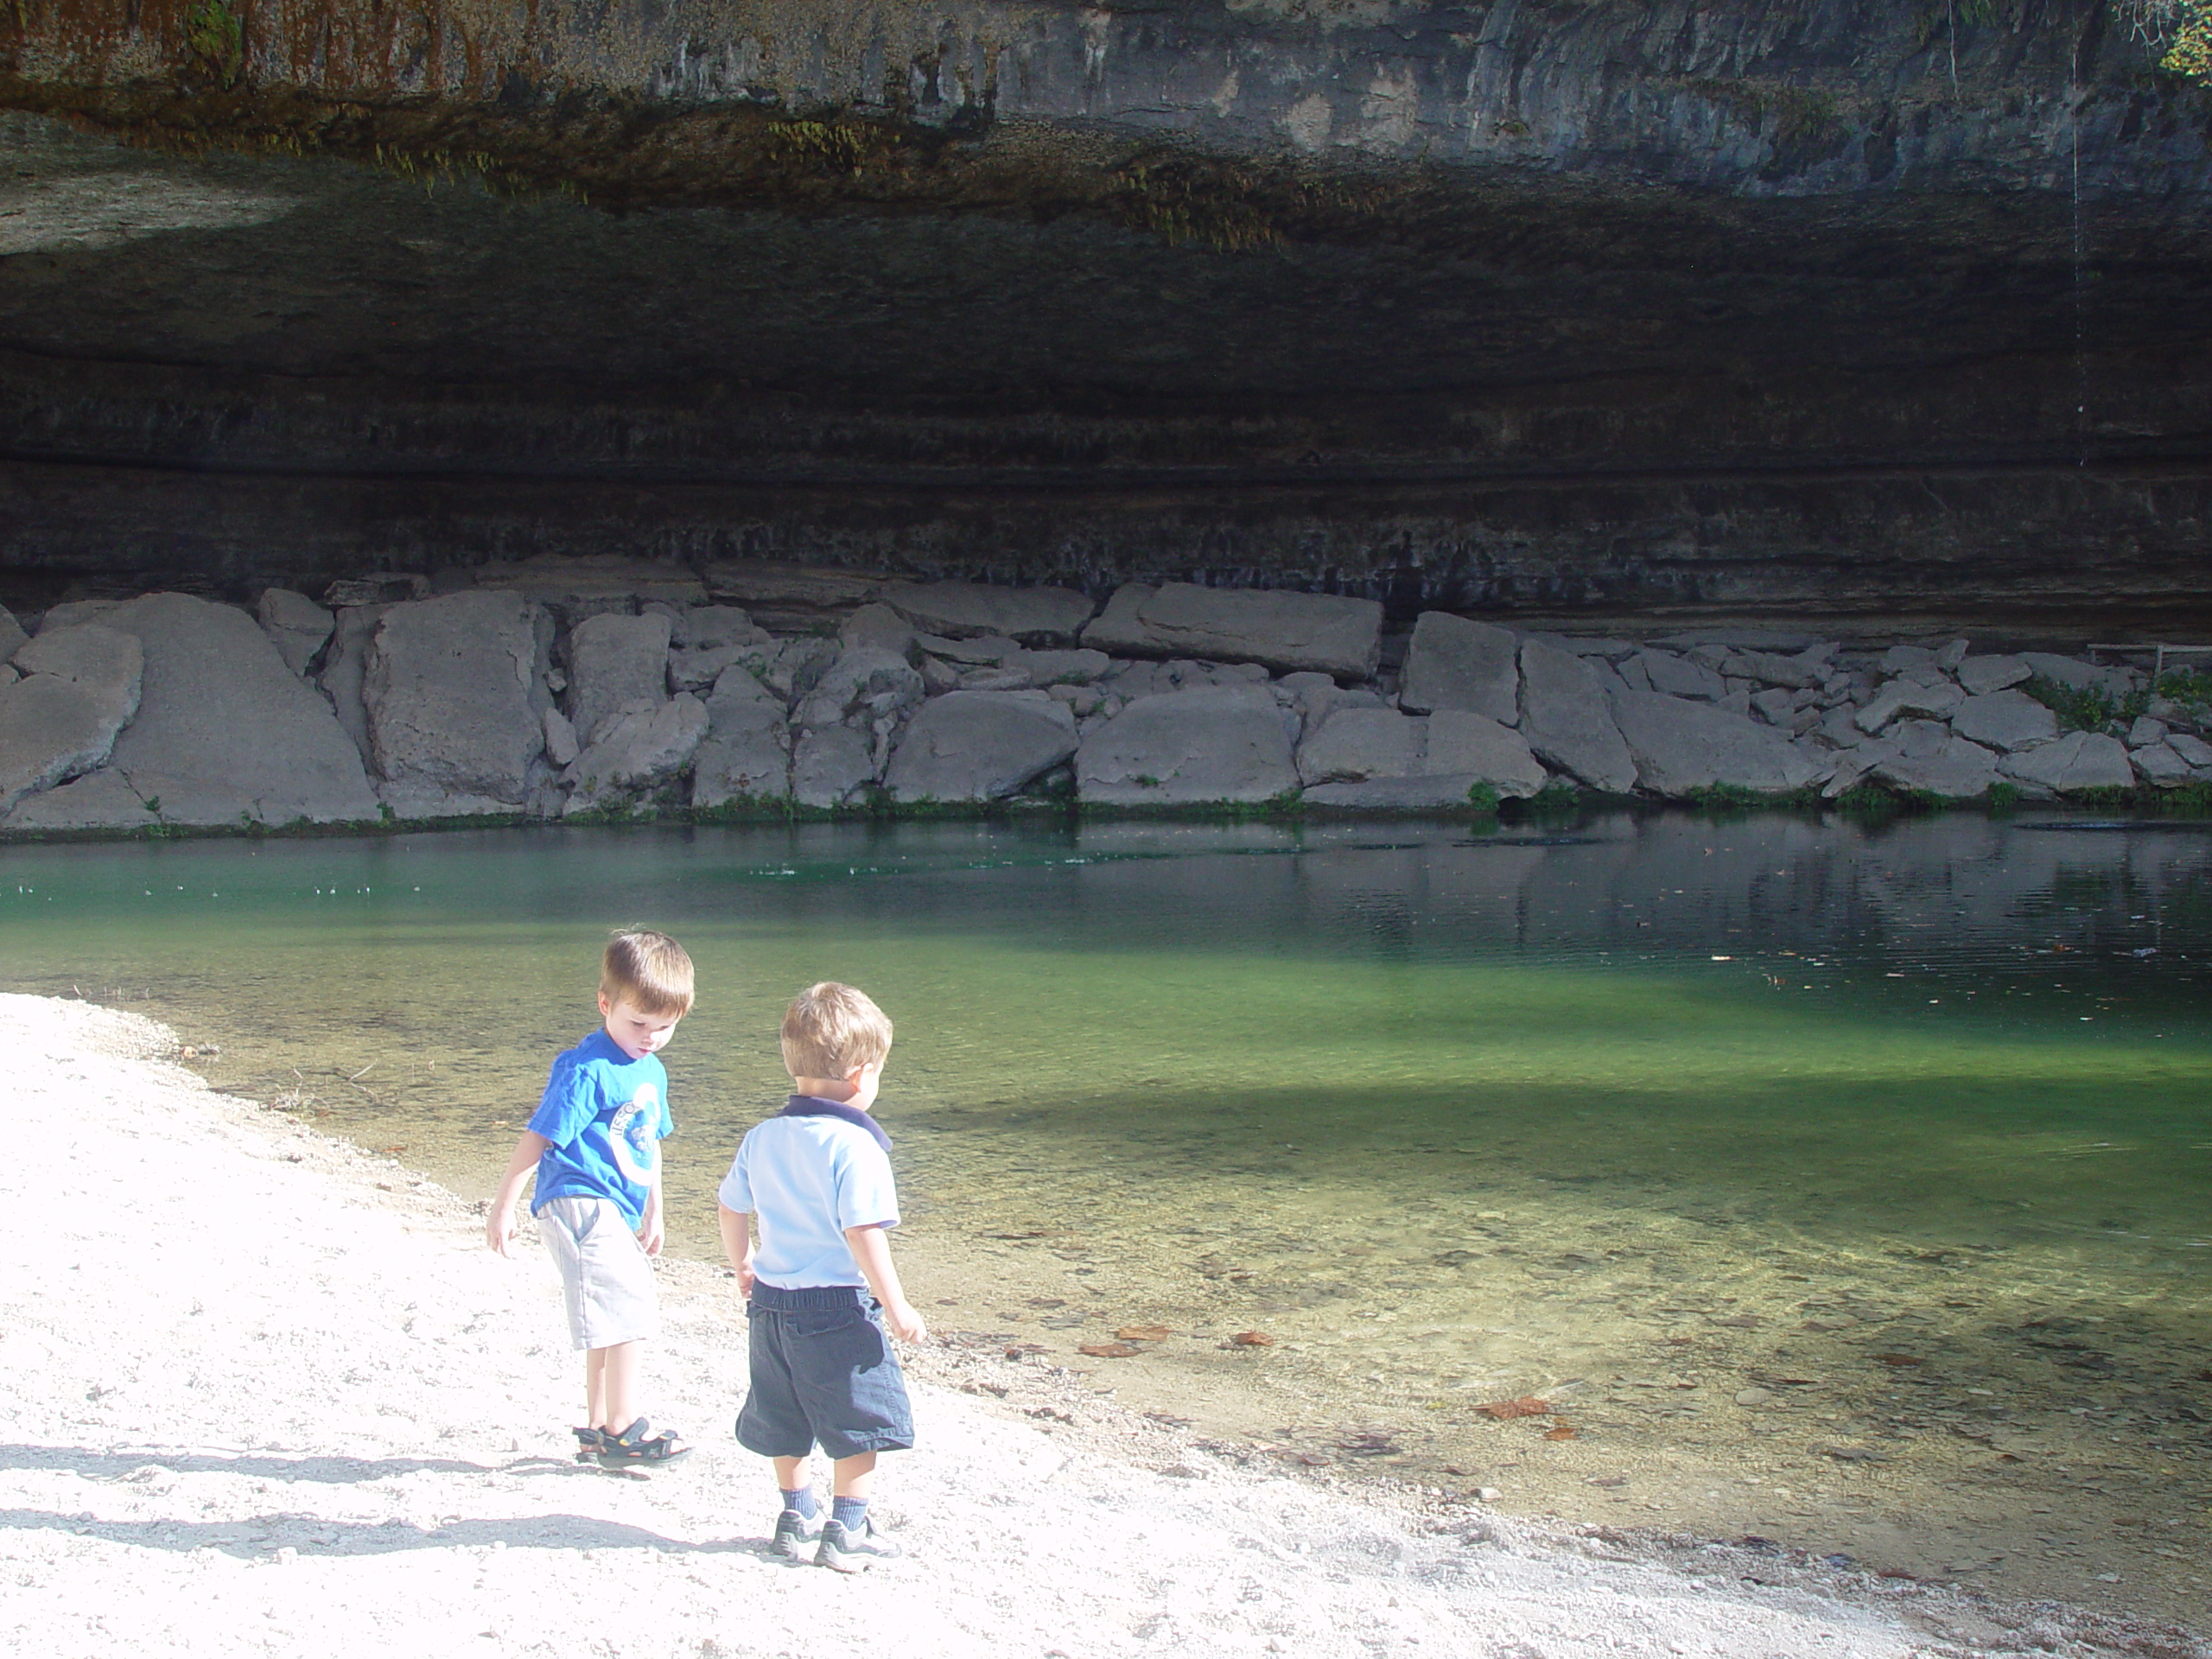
216 40
2091 708
1482 798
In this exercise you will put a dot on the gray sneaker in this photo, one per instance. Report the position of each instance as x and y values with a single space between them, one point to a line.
845 1550
794 1532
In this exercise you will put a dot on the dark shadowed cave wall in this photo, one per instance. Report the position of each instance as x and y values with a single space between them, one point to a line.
1876 309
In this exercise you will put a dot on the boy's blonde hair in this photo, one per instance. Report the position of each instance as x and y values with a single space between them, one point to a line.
830 1028
648 970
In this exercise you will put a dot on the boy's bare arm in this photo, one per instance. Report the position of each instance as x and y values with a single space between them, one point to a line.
652 1232
737 1244
499 1220
873 1251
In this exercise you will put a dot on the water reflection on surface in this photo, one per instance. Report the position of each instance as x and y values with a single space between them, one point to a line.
1821 1178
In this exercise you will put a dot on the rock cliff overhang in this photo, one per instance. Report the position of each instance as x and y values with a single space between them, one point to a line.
1743 305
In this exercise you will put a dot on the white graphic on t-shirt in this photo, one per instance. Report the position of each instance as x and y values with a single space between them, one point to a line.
631 1135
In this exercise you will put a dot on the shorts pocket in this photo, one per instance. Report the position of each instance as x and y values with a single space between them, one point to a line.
820 1324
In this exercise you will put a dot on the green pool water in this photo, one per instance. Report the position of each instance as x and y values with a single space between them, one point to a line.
1631 1115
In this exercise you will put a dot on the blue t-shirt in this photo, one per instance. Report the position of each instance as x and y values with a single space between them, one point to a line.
804 1180
605 1114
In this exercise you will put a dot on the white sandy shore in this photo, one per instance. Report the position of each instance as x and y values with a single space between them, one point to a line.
262 1393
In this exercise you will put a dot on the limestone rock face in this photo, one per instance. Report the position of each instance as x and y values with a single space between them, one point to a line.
344 665
747 755
829 764
2079 760
1287 632
448 690
1453 663
104 660
1356 744
1566 722
876 623
298 625
640 745
1222 743
593 584
11 634
979 745
615 659
1681 746
229 732
962 610
2161 766
1462 744
2004 719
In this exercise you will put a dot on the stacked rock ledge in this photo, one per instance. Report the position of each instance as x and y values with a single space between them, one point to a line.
606 689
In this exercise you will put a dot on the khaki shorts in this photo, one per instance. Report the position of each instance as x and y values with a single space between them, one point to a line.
606 1275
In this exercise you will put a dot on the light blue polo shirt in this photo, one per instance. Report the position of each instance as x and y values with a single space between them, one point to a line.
804 1180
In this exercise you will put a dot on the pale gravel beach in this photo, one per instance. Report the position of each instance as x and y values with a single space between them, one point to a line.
265 1393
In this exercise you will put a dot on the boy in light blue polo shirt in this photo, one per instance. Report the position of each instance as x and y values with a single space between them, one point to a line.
804 1208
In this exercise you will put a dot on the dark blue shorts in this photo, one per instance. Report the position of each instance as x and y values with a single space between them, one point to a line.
823 1374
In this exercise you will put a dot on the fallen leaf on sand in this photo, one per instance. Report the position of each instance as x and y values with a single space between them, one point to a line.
1311 1459
1900 1359
1563 1431
1022 1350
1251 1339
1048 1301
1608 1481
1144 1333
1110 1349
1506 1410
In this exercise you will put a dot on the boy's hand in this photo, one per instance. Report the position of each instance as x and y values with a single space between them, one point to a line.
650 1234
499 1227
745 1276
906 1321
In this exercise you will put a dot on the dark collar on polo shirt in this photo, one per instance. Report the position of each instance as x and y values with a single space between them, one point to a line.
815 1106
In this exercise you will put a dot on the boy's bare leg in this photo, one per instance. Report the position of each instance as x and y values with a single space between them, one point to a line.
791 1474
853 1477
614 1397
595 1387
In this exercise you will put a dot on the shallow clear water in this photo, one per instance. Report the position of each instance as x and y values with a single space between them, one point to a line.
1632 1115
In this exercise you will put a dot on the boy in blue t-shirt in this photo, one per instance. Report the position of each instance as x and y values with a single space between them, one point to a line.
804 1211
595 1143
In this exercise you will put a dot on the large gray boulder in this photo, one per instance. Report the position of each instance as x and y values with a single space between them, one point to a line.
615 659
1453 663
453 703
1677 677
962 610
1681 747
1222 743
979 745
1907 696
747 755
225 733
2159 764
1983 675
829 764
11 634
1462 744
1286 631
99 800
80 687
2077 761
2004 719
641 744
1567 720
1356 744
295 625
863 679
1926 757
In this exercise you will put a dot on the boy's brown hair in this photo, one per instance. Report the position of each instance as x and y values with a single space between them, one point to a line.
648 970
830 1028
